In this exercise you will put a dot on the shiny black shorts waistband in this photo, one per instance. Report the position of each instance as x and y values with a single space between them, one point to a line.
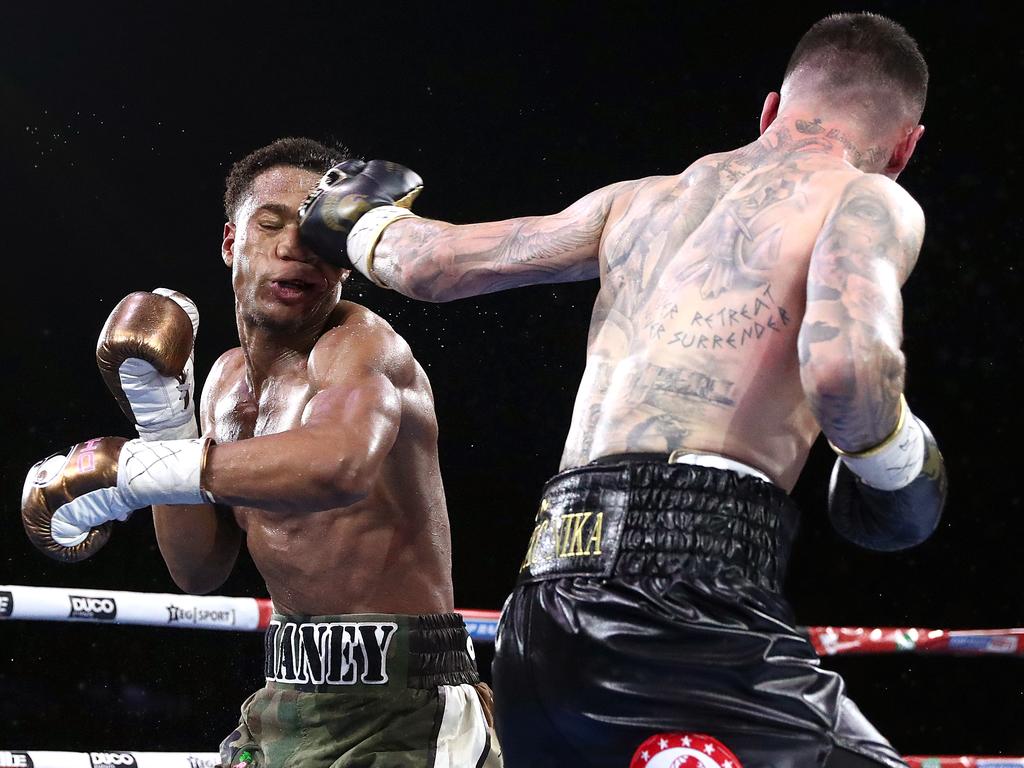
368 652
637 515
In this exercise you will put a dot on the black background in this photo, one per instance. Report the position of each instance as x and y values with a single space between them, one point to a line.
120 121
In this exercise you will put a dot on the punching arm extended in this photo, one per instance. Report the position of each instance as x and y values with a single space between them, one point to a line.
436 261
359 215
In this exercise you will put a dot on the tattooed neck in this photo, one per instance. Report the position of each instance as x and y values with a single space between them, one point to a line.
816 134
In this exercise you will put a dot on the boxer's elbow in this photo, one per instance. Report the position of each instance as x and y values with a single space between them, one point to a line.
199 581
852 374
342 483
199 545
828 379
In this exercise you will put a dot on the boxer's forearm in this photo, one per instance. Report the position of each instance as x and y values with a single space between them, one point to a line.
435 261
199 544
856 405
295 472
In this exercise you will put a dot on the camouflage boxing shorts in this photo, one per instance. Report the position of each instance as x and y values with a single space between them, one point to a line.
366 691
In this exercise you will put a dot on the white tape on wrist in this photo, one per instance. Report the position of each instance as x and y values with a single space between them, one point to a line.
162 472
158 472
894 462
366 233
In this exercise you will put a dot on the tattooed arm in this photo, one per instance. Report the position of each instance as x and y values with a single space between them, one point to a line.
851 365
436 261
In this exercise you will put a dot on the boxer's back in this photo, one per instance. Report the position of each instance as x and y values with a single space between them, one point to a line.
389 552
693 341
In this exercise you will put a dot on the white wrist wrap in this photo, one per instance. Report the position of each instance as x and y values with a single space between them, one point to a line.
162 472
366 233
156 472
894 462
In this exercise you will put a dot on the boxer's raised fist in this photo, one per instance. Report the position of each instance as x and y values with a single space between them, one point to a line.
70 498
343 195
145 355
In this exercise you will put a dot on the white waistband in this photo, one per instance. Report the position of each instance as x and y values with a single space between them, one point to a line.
718 462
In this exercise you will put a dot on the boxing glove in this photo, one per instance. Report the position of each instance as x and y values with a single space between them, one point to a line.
145 354
70 499
342 218
890 497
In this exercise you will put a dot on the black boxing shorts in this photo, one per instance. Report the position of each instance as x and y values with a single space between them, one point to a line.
650 602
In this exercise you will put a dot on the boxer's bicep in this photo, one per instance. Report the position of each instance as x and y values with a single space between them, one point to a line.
346 430
851 365
436 261
356 417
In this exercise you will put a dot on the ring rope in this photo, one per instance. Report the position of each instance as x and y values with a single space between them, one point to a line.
120 759
253 614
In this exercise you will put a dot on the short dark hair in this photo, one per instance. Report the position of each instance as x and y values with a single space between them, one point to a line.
856 49
295 151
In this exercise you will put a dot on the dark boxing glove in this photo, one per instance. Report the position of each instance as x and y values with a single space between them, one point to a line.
343 217
889 497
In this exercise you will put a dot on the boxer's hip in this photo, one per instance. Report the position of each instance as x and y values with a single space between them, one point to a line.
367 654
650 599
641 516
342 689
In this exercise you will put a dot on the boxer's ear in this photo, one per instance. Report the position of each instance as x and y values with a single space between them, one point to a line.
902 152
770 110
228 244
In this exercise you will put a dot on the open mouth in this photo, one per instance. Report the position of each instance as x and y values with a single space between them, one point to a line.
290 290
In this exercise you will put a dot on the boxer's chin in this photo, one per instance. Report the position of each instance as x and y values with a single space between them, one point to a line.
273 314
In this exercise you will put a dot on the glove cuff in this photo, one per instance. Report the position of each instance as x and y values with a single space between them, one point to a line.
186 431
163 472
365 235
894 462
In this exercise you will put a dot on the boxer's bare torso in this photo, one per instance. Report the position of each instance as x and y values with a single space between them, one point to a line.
388 552
693 343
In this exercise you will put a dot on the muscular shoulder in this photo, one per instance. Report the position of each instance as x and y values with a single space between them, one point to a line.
885 191
226 371
360 338
877 204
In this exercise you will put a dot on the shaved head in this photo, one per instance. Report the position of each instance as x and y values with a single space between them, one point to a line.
860 62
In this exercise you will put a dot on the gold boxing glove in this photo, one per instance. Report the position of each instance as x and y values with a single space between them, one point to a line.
70 498
145 355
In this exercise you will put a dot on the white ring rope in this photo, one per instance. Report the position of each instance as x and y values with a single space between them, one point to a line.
250 614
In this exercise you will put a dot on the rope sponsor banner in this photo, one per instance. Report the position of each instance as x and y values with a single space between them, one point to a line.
252 614
142 608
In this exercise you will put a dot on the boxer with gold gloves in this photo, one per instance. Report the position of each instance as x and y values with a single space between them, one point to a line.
319 449
145 357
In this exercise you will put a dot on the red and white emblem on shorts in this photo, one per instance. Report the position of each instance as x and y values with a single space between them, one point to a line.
683 750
